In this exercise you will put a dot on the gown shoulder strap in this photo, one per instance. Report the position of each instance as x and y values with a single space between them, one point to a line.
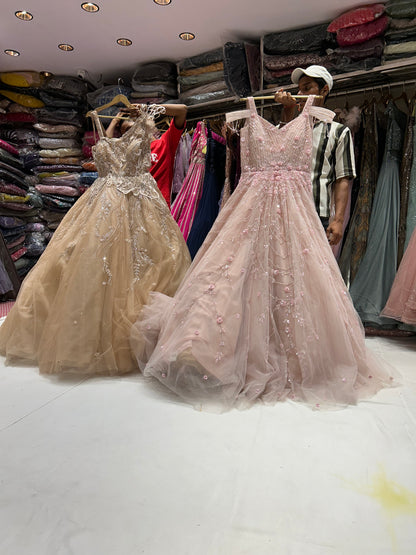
97 125
317 112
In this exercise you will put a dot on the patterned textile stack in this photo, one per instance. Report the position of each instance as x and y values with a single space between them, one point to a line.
104 95
155 83
201 78
358 35
44 128
242 67
401 34
286 50
58 166
19 202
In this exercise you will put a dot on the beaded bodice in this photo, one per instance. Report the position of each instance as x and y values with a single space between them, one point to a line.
265 147
126 160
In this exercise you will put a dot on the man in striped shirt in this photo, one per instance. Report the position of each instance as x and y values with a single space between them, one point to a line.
332 150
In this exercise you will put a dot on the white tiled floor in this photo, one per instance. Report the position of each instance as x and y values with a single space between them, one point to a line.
118 466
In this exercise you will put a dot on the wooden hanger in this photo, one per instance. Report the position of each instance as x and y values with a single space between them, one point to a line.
164 121
119 98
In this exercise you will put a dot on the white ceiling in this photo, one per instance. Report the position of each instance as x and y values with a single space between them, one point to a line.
153 29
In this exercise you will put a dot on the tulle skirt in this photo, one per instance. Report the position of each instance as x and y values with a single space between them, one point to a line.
75 308
401 304
263 312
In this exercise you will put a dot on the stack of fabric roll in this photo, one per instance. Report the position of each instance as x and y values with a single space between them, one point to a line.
104 95
401 35
19 202
359 35
286 50
58 167
242 67
155 83
201 78
43 125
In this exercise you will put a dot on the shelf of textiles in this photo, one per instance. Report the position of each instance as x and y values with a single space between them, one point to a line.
41 156
361 39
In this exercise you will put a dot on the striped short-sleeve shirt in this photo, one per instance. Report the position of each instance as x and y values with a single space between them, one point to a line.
332 158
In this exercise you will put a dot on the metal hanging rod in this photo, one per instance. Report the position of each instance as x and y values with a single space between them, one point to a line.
372 88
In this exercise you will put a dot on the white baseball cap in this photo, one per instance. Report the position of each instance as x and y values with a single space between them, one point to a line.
313 71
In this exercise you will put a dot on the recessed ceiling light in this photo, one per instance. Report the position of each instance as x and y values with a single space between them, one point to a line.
90 7
187 36
162 2
124 42
65 47
23 15
11 52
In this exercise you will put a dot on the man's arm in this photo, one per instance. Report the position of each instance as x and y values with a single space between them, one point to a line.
178 112
341 190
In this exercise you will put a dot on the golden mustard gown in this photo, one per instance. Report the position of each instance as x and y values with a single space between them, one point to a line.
119 241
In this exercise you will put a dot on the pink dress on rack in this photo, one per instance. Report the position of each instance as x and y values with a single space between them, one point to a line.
401 304
263 312
184 207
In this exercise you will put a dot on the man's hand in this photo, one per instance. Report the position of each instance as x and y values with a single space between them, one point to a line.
284 98
334 232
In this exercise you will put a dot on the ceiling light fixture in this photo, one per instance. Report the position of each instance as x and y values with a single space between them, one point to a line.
46 73
162 2
90 7
65 47
186 36
124 42
10 52
23 15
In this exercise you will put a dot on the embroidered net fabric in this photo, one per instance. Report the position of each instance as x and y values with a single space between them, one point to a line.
118 242
263 312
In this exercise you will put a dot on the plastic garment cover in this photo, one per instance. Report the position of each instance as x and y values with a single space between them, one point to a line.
66 85
4 145
402 23
400 35
204 59
22 78
371 48
48 128
205 93
156 71
106 94
305 39
218 66
235 69
23 99
10 159
58 101
59 115
357 16
52 143
362 33
197 80
401 8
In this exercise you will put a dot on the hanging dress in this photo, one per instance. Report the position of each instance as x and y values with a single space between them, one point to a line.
405 171
263 312
371 286
119 241
186 203
208 206
411 204
356 240
401 304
